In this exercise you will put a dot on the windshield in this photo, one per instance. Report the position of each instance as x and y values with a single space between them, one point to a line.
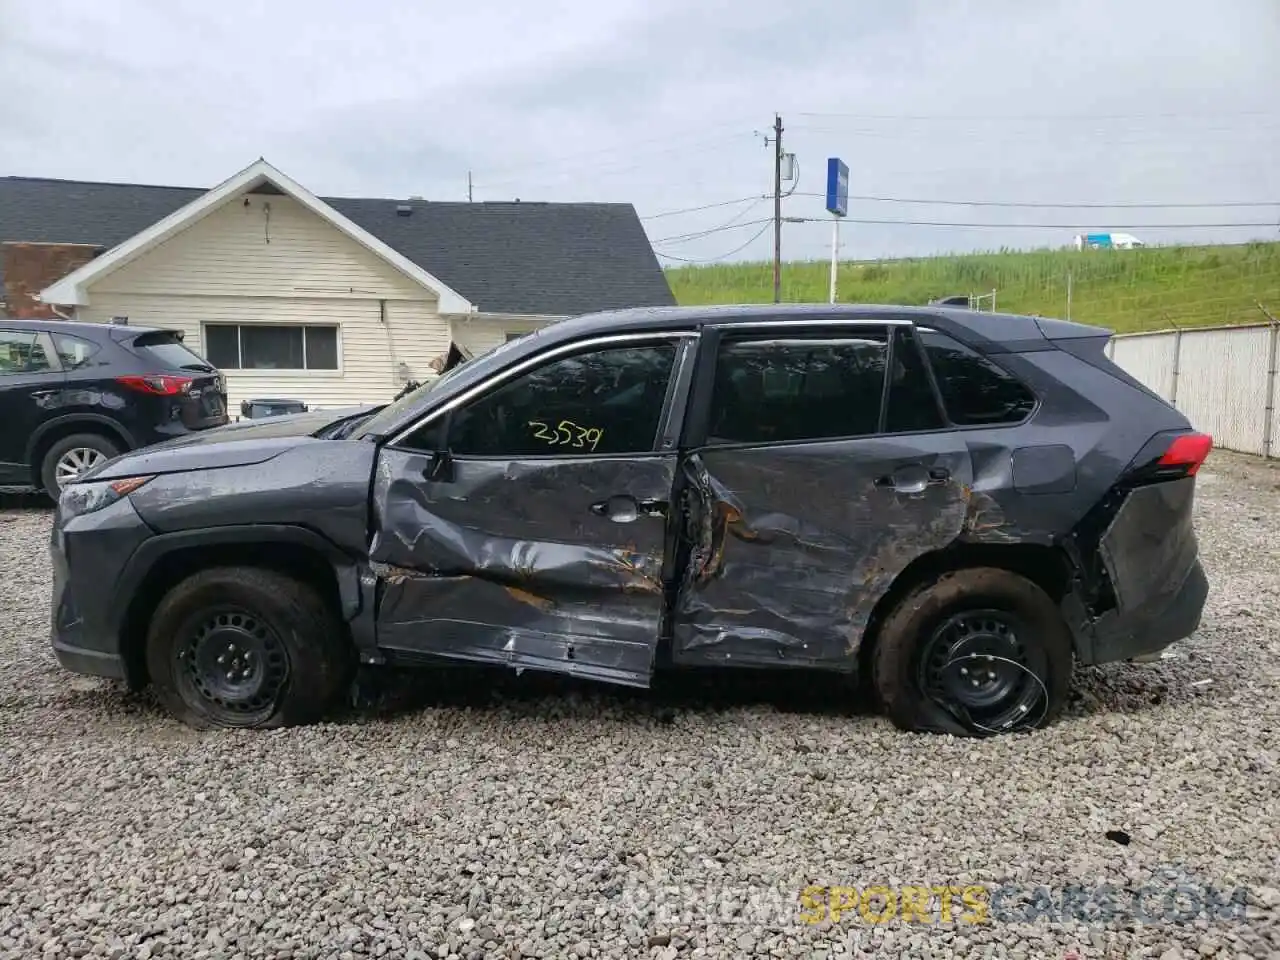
381 422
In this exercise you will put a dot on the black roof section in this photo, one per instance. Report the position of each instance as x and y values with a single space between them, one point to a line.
509 257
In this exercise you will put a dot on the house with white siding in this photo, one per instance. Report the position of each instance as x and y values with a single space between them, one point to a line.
330 301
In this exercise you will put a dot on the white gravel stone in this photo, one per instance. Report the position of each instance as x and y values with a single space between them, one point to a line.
539 819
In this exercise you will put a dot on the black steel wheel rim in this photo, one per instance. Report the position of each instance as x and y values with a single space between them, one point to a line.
980 666
234 665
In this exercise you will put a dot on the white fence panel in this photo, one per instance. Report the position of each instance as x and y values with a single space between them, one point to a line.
1150 359
1223 380
1223 385
1273 419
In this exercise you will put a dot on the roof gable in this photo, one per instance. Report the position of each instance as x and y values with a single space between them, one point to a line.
71 289
556 259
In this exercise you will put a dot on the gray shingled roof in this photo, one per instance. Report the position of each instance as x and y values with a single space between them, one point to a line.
541 258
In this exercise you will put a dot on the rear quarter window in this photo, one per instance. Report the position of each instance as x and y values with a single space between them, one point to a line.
77 353
975 390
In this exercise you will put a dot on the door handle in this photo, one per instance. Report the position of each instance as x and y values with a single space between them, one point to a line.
625 509
913 478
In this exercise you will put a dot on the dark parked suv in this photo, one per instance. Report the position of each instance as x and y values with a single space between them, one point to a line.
956 505
73 395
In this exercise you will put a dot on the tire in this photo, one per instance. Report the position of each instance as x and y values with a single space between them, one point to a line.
92 443
933 666
290 657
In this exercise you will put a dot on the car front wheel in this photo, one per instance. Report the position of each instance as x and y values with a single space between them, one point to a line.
247 647
978 651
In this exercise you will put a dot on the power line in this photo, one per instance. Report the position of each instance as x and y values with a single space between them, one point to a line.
708 232
575 166
1060 206
1039 226
1050 117
699 234
724 256
705 206
629 148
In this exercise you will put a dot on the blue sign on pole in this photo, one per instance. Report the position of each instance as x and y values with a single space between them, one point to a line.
837 187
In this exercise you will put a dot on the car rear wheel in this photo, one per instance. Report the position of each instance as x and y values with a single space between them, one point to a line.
72 456
246 647
978 652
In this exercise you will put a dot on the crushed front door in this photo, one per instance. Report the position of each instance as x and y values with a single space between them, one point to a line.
540 539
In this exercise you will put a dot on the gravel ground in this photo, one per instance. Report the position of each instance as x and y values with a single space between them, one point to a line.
552 820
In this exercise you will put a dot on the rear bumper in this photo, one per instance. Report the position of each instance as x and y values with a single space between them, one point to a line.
1146 633
174 429
1151 557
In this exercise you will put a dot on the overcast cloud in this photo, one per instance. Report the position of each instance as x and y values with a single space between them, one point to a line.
660 103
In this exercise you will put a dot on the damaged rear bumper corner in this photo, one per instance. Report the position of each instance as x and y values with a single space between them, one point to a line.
1143 634
1151 557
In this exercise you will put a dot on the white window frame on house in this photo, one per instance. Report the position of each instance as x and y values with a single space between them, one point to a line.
273 371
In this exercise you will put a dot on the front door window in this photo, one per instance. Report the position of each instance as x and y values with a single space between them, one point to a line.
602 402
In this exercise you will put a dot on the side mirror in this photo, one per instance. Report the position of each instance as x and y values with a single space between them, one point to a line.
440 468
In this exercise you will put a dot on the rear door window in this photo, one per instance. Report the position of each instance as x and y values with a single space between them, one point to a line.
794 385
168 351
975 390
23 351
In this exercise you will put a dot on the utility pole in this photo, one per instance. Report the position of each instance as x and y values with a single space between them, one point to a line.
468 186
777 208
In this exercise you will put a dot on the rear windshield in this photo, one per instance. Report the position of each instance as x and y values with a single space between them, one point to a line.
169 351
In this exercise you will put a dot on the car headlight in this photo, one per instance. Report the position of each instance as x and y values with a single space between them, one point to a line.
81 498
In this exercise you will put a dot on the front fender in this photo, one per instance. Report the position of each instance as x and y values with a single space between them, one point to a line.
355 593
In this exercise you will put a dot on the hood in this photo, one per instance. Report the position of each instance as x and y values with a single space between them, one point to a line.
234 445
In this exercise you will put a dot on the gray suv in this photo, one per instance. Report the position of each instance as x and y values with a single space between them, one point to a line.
954 505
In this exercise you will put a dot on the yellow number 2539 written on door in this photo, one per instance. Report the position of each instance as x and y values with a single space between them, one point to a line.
567 433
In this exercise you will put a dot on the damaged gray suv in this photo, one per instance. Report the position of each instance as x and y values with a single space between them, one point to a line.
955 506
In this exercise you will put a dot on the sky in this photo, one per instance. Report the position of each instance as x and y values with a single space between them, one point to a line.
666 103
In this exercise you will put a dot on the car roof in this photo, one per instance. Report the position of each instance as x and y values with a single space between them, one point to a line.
993 332
987 332
81 327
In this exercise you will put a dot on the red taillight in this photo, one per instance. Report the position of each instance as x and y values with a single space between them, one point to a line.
1187 450
160 384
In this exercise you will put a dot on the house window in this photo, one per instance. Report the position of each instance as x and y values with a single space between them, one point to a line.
261 346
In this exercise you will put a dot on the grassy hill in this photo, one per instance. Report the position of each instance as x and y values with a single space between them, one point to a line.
1127 290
